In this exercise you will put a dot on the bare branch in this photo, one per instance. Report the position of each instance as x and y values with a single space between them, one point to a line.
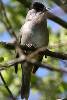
44 51
11 45
41 51
56 19
32 61
10 93
62 4
11 63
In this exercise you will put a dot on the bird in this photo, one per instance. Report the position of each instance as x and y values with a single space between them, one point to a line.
33 32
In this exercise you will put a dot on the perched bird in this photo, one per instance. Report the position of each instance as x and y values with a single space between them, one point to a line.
33 32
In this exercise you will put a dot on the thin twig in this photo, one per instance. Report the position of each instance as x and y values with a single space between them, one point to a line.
11 95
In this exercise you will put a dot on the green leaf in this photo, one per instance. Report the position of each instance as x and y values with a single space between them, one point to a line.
1 59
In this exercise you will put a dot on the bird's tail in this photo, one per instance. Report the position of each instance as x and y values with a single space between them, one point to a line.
26 77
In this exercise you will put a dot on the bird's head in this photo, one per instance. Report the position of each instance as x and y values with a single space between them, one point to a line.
38 6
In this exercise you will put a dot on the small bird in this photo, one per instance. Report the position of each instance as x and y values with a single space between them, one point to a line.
33 32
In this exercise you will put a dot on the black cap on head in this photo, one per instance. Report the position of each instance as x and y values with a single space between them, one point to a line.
38 6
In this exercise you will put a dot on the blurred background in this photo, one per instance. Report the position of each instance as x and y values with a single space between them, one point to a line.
45 85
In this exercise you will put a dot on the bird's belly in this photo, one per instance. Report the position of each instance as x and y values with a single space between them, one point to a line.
38 37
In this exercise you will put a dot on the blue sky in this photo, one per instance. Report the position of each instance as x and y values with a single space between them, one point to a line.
5 37
6 1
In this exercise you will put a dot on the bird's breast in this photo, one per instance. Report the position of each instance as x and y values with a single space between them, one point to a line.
36 35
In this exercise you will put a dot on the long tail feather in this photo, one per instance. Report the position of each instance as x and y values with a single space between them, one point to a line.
26 77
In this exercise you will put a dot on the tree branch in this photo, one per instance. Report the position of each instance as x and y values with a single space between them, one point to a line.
11 63
36 51
32 61
62 4
11 45
11 95
44 51
56 19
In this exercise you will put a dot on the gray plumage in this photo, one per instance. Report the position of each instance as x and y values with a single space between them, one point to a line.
34 31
